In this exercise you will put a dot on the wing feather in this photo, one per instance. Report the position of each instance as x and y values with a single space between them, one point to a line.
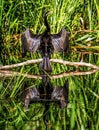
60 41
30 42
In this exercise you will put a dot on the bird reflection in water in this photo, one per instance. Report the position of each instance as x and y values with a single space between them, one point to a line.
46 94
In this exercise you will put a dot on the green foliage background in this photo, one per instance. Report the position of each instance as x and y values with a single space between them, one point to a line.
82 111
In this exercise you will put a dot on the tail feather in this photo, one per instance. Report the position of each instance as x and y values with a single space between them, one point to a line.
45 65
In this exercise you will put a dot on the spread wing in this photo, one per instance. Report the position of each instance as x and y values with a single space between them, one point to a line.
60 41
30 42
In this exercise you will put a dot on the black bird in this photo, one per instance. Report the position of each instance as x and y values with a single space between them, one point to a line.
46 43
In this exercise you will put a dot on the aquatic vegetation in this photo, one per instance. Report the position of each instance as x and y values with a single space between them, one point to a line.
81 19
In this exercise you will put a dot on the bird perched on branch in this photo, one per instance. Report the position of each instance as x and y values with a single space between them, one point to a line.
46 43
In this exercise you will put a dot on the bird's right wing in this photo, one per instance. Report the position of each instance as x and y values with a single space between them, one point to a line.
30 42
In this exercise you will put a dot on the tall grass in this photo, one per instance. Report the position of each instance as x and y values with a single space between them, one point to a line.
82 112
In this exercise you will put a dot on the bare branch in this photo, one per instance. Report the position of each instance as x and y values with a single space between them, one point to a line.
28 62
77 64
75 73
6 73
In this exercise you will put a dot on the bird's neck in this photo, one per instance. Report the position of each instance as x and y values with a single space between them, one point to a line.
46 24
